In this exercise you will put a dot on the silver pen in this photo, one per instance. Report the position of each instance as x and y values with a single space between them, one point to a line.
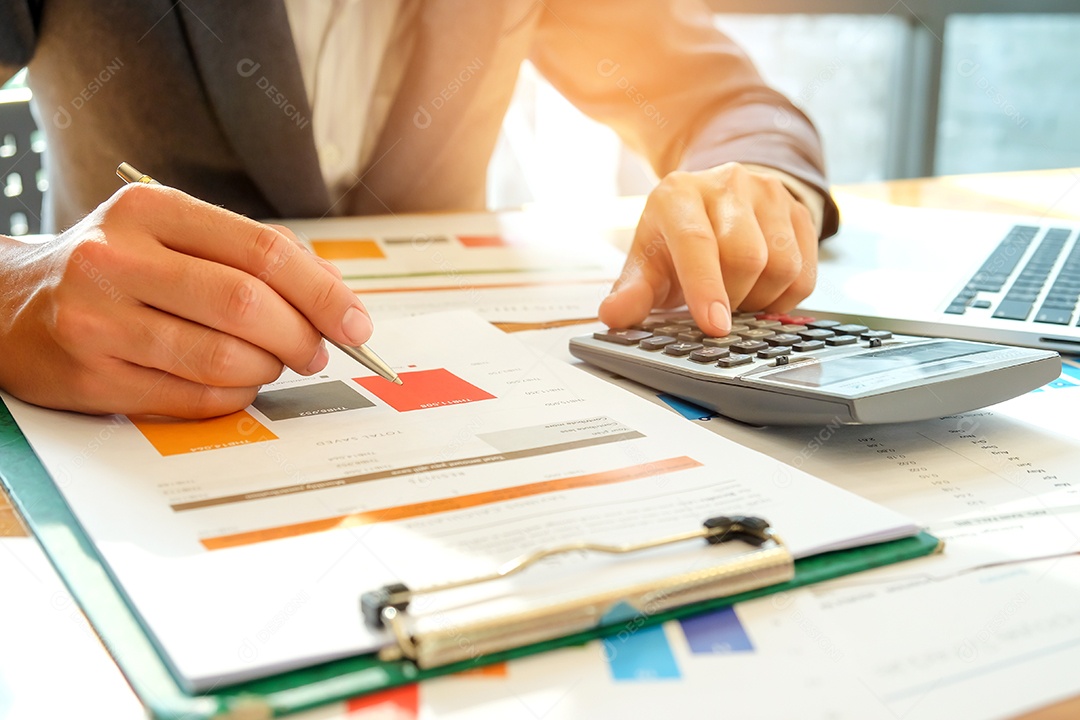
361 353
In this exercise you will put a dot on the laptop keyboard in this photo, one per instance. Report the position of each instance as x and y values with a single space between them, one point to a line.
1022 298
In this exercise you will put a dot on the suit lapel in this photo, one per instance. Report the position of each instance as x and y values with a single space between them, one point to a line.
444 104
244 53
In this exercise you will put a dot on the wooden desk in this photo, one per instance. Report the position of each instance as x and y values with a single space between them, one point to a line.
1050 193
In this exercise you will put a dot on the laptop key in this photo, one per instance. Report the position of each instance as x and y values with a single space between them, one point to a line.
1056 316
1060 303
1013 309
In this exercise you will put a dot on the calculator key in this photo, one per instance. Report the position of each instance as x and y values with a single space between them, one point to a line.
691 336
773 352
799 320
656 342
784 339
622 337
735 360
721 342
679 348
805 345
841 340
876 335
650 323
709 354
850 329
763 323
737 328
748 347
981 304
790 328
670 330
816 334
755 333
771 316
741 316
688 322
822 324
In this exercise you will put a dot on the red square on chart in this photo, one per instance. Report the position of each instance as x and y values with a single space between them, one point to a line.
481 241
423 390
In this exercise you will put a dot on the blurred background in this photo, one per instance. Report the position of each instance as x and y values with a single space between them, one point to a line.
909 88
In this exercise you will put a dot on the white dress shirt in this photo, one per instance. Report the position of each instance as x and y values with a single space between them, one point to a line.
344 48
345 53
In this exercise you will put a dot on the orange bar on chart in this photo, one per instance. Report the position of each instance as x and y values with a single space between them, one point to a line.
366 249
177 437
456 502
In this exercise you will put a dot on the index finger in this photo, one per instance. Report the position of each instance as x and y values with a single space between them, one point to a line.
695 254
193 227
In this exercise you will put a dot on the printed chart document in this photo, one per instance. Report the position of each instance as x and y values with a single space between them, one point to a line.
244 542
520 266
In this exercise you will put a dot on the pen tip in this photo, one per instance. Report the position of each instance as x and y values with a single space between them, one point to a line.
397 381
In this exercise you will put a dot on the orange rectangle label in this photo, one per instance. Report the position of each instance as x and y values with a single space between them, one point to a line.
366 249
177 437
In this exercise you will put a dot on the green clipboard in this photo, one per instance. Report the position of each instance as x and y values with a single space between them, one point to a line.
81 567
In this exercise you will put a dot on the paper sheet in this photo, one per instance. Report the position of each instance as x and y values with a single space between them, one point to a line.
985 630
245 542
528 267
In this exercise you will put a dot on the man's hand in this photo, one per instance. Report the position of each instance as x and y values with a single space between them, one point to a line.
718 239
159 303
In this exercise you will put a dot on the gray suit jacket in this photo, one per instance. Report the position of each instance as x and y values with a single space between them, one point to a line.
207 96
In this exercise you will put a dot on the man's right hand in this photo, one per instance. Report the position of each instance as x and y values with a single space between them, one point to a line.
159 303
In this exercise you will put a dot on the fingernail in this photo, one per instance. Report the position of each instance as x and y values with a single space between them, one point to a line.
356 326
319 361
720 316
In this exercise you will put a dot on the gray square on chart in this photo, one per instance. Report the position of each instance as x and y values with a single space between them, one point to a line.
307 400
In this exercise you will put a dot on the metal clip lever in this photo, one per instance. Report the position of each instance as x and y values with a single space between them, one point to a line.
388 606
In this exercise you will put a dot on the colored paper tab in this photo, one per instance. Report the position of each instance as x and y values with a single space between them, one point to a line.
716 632
641 654
688 410
400 703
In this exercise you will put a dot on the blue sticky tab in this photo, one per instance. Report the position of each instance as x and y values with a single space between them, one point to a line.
620 612
688 410
716 632
1069 368
640 654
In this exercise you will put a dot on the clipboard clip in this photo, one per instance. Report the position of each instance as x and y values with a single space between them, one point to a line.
768 564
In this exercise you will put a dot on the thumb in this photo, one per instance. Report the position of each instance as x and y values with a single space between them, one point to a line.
629 302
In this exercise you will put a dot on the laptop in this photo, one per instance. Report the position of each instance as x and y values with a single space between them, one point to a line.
968 275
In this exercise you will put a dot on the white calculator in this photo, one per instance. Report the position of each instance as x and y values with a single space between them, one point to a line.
792 369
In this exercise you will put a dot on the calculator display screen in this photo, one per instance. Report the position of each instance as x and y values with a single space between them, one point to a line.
911 359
